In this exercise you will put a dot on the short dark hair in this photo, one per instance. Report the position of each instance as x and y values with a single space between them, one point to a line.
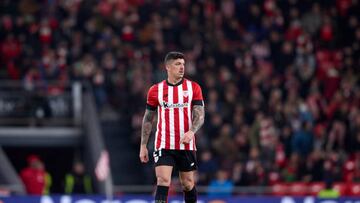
173 55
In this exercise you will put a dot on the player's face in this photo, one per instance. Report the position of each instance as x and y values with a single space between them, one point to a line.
176 68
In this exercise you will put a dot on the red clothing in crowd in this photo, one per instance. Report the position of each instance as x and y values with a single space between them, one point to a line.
10 49
34 180
34 176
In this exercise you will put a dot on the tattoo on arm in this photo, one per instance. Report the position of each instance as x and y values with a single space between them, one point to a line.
198 117
146 126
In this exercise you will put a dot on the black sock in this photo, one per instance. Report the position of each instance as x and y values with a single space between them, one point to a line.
161 194
191 196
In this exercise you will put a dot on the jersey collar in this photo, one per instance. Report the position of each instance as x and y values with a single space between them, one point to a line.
179 83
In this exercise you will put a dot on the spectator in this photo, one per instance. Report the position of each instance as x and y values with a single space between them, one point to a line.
239 175
36 179
254 169
77 181
329 192
224 144
331 170
208 166
302 140
291 171
221 186
39 108
356 173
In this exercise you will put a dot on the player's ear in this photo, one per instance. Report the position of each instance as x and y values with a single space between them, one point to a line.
167 66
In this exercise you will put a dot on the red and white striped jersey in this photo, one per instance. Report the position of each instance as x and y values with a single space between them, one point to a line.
174 104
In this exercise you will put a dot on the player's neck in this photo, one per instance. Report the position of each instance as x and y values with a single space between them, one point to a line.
174 81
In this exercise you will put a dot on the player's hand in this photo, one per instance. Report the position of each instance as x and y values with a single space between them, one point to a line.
144 154
188 136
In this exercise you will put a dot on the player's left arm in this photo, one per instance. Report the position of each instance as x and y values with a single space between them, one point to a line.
198 115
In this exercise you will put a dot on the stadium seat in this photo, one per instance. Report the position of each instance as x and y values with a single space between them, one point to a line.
280 189
315 187
298 189
354 189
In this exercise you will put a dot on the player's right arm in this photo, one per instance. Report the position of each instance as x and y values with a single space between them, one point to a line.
151 105
145 134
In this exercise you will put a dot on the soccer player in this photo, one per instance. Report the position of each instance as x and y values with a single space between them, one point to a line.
180 114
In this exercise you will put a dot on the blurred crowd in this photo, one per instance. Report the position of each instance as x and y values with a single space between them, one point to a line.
38 181
280 78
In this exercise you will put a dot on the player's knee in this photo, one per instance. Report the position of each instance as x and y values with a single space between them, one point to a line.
187 183
164 181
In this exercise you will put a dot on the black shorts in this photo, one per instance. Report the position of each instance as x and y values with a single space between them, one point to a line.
183 160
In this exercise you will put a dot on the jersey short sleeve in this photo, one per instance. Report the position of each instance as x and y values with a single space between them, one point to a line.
152 98
197 95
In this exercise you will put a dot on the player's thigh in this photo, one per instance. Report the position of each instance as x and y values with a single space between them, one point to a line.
163 175
186 160
164 163
187 179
